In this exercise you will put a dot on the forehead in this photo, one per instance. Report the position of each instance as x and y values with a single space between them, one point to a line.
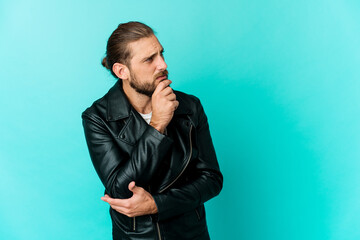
144 47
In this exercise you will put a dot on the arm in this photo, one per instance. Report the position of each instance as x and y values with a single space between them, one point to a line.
206 179
115 169
141 202
205 183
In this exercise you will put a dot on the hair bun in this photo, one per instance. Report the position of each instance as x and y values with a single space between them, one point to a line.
104 63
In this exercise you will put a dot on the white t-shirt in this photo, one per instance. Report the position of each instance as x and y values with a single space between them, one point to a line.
146 117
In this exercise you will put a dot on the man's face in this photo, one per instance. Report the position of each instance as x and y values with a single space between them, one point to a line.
147 65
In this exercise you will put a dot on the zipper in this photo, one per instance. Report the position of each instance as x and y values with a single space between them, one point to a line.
134 224
158 230
197 213
157 224
187 163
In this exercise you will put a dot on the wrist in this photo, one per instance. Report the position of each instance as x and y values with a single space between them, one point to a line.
158 127
154 208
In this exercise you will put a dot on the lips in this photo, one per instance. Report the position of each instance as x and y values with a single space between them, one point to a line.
163 77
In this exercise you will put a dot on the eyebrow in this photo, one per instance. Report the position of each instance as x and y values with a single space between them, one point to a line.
152 55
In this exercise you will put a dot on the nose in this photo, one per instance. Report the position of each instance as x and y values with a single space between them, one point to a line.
161 64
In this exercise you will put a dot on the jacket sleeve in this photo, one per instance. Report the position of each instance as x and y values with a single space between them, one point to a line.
117 169
205 183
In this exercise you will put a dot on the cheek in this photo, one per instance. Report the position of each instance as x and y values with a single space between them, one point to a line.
146 72
149 73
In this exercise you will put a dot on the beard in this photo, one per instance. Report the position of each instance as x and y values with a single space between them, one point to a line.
145 88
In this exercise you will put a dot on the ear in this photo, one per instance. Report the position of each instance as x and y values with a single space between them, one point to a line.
121 71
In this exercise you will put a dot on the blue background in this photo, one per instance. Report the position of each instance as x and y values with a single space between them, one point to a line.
279 81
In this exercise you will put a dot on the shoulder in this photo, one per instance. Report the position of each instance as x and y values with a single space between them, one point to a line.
188 103
97 109
191 106
112 106
188 100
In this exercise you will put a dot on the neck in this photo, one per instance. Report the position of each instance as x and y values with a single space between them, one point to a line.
140 102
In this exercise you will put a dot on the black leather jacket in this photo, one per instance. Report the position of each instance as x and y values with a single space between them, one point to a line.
179 169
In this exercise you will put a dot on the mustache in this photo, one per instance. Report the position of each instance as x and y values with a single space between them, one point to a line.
161 74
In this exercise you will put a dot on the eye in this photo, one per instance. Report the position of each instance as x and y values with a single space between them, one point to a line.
149 59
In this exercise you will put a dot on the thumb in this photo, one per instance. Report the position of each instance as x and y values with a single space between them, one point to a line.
132 186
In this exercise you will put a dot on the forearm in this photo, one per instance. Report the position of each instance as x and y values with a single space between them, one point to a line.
180 199
142 164
205 180
117 168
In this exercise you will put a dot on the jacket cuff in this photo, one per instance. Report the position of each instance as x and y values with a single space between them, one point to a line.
161 214
155 133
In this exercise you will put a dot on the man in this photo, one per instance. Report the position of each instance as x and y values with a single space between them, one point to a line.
150 145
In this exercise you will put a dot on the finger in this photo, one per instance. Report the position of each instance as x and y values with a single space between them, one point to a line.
135 189
118 209
131 185
171 97
162 85
115 201
128 211
176 105
166 91
105 198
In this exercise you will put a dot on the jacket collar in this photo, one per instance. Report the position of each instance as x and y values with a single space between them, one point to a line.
118 106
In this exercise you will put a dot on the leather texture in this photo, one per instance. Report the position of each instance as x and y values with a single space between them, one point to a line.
179 169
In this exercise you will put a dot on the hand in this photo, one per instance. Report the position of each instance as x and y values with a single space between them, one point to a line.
141 203
164 104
